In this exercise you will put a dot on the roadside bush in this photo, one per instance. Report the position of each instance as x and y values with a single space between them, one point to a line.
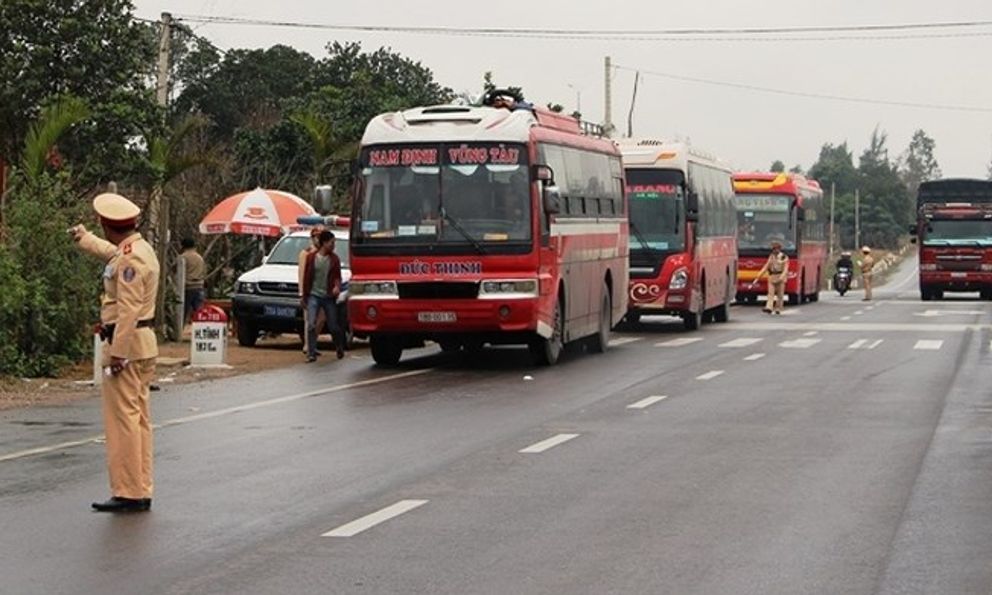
48 290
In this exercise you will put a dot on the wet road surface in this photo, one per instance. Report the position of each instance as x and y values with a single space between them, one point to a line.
842 448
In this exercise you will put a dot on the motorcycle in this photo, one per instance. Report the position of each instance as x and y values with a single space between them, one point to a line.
842 280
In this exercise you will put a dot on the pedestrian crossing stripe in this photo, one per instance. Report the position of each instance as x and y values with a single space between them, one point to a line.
742 342
799 343
928 345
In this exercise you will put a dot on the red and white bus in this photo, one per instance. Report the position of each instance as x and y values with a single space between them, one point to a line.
683 251
476 225
782 207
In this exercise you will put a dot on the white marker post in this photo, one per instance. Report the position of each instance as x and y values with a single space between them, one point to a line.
208 347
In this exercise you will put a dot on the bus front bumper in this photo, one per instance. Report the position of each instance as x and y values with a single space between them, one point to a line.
428 318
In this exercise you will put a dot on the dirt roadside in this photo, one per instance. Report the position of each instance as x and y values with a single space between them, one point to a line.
270 353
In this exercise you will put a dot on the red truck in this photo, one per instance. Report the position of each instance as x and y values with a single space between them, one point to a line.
954 230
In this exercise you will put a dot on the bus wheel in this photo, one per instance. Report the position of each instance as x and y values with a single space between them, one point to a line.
926 295
601 340
691 321
386 351
986 294
546 352
449 345
632 318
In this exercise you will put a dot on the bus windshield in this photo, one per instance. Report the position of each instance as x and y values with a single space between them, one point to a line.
944 232
764 218
457 193
657 209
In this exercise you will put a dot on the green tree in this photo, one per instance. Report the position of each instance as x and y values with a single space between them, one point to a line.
93 50
885 205
835 166
777 167
796 169
919 163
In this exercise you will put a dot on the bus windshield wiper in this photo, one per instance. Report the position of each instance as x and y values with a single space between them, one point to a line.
458 227
640 237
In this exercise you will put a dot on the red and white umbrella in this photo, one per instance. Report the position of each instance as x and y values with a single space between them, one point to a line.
260 212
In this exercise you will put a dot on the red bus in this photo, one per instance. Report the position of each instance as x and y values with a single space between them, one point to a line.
954 228
683 250
482 225
788 208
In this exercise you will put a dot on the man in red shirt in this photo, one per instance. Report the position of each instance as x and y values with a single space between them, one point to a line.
320 291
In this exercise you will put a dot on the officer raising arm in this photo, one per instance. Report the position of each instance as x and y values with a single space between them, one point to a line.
127 315
777 268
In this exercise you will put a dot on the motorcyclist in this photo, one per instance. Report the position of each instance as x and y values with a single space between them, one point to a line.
845 268
845 262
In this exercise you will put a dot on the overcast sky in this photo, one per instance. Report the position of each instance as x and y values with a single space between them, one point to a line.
749 129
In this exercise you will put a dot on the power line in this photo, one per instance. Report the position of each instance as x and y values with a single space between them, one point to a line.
847 99
922 30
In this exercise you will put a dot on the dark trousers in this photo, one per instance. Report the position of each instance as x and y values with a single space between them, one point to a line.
193 300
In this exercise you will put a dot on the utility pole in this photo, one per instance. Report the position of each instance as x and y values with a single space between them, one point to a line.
578 97
633 103
830 236
158 204
608 86
857 219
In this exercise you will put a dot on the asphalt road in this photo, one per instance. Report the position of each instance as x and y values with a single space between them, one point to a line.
842 448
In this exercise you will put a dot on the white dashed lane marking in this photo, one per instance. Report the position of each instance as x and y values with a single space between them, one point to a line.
931 345
623 341
710 375
742 342
545 445
681 342
754 357
865 344
376 518
645 403
799 343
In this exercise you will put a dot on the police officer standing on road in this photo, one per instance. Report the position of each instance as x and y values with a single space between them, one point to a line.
777 268
867 267
127 315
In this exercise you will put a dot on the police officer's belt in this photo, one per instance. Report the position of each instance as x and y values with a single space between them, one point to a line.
107 330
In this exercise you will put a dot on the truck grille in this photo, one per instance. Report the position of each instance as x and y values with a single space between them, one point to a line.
439 291
959 262
284 289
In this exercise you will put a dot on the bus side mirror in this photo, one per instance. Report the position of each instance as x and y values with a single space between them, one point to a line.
323 198
692 207
800 214
912 240
551 200
544 173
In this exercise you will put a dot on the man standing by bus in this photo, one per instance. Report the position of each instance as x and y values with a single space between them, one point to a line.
777 268
867 268
320 291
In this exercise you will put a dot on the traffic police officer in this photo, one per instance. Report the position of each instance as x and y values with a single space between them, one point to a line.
127 314
777 268
867 268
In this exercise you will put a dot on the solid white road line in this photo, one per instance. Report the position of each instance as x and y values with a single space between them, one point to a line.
742 342
548 444
861 327
220 412
754 357
925 345
799 343
681 342
376 518
623 341
710 375
645 403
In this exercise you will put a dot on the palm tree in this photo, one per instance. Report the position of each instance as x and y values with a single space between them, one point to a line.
327 148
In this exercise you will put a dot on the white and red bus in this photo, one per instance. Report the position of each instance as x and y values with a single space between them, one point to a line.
683 250
787 208
482 225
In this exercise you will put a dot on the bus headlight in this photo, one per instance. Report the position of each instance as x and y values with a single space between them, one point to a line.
987 268
501 289
373 289
680 280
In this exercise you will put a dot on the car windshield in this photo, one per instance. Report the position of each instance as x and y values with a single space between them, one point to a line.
447 193
657 208
764 218
958 231
287 251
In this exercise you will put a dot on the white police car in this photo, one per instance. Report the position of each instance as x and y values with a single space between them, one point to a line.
267 300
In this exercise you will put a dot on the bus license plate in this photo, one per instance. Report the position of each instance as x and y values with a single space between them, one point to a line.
959 275
437 317
280 311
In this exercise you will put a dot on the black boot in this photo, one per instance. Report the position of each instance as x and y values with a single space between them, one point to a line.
118 504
